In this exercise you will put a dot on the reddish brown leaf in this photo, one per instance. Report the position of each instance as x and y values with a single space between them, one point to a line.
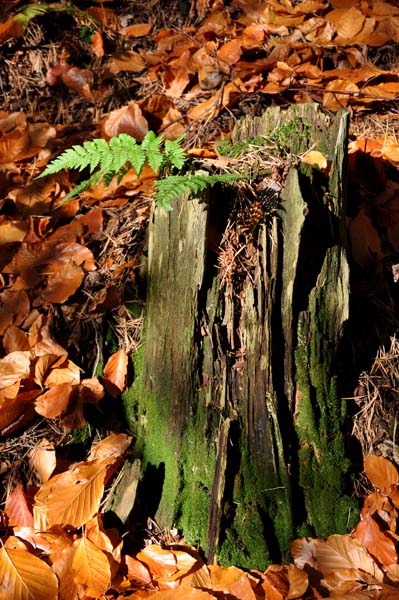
128 119
14 136
378 543
17 508
114 376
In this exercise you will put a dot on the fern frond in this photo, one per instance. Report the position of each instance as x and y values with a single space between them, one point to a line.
91 154
121 150
180 185
151 145
174 153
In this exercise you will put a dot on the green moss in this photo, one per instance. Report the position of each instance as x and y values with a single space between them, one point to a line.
319 424
234 150
245 544
155 443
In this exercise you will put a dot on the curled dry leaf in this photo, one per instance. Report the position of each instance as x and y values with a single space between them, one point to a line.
43 459
110 448
128 119
77 80
14 367
114 376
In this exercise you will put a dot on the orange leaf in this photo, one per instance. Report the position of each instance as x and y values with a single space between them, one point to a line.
72 497
25 576
376 541
298 582
97 44
114 376
54 402
380 471
136 30
90 568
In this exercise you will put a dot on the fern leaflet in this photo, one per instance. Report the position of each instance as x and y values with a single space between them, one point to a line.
179 185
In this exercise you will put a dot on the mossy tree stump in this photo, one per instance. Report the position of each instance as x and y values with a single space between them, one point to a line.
235 404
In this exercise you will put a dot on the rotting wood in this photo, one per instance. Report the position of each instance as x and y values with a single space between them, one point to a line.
235 403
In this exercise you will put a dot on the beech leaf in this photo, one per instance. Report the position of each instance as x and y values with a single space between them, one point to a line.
25 576
91 568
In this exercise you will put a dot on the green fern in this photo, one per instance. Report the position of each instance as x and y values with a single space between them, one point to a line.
179 185
105 160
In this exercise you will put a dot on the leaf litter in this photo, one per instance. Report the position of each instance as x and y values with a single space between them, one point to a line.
71 73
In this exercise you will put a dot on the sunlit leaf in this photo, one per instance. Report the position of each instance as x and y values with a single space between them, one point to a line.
90 568
25 576
114 375
72 497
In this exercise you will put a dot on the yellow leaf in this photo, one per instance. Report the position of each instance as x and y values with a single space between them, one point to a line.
314 157
90 568
26 577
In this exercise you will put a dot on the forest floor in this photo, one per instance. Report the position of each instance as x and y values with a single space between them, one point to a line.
70 271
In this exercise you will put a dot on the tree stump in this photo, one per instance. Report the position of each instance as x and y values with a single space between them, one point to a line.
235 403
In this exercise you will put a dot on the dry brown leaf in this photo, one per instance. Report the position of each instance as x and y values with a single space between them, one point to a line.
54 402
180 594
90 568
97 44
128 119
14 367
76 79
67 373
114 375
299 582
137 572
14 137
62 566
380 471
230 52
12 230
343 552
110 448
127 60
25 576
72 497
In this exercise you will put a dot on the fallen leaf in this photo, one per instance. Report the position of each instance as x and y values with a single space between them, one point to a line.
114 375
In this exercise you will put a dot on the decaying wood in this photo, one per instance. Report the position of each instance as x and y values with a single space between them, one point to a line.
235 402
